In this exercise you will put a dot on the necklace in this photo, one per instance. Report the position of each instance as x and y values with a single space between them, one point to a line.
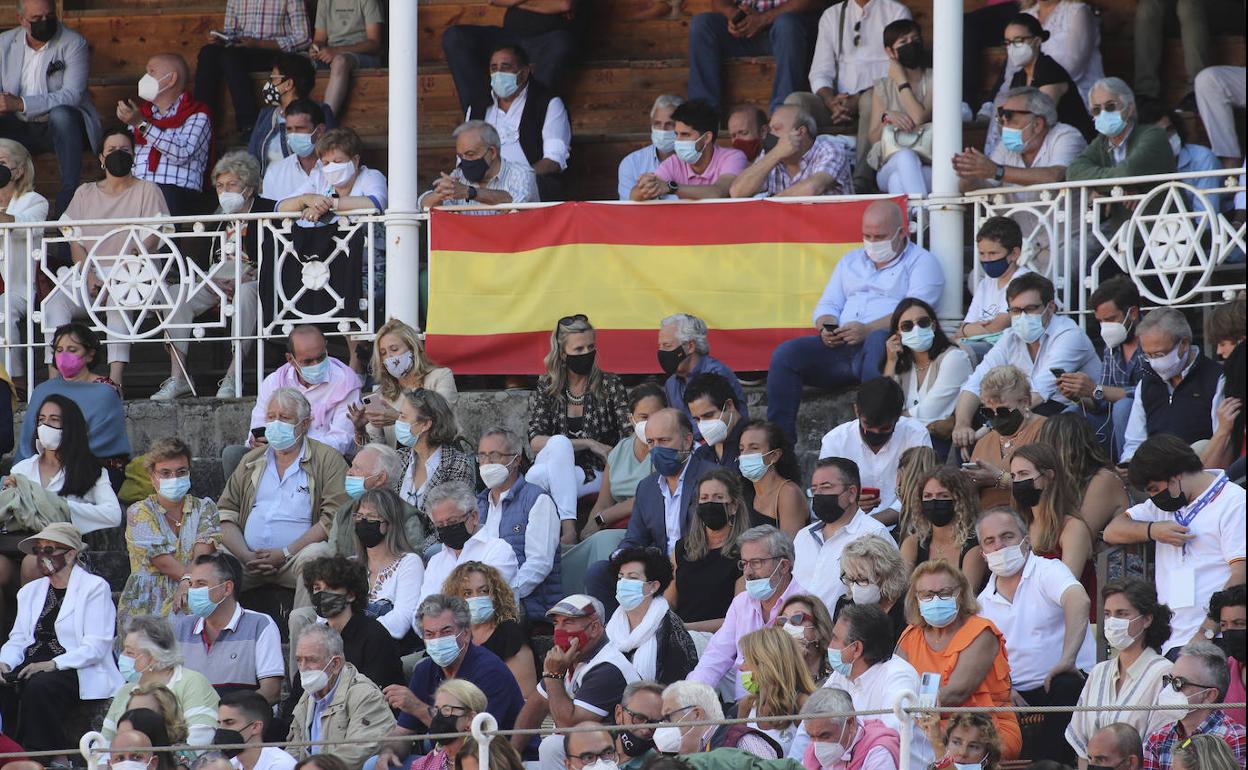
577 400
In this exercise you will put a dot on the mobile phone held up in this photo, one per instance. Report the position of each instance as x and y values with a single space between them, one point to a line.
740 17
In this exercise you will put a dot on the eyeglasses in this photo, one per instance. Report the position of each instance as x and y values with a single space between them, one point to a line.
1029 310
922 323
1023 39
1177 683
1107 107
797 619
640 719
856 581
939 593
755 564
448 710
667 718
495 457
49 550
568 320
590 757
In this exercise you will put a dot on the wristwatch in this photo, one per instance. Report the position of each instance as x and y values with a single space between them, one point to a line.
598 520
472 193
903 86
1098 393
672 187
287 554
143 126
999 174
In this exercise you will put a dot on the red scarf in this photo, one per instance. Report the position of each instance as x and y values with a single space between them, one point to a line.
187 106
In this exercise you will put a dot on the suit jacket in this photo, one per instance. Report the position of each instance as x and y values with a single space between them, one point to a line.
648 524
67 73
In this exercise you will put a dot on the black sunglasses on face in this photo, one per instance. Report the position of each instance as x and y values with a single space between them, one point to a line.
1006 115
922 323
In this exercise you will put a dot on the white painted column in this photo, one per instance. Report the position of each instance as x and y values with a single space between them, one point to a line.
946 239
402 230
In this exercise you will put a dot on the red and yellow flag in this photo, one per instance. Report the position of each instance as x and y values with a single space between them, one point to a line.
752 269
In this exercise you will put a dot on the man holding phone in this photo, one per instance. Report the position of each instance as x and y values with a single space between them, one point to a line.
852 316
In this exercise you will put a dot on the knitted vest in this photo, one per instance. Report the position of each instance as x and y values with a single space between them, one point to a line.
1186 413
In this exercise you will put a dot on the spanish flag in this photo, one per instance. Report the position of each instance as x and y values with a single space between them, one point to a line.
752 269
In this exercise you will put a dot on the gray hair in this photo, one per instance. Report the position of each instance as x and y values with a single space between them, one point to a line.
801 118
1167 320
641 685
1213 662
1116 86
436 604
242 165
689 328
511 439
1038 103
687 692
666 100
827 700
291 397
154 635
388 461
331 641
487 133
457 492
779 544
1007 511
389 506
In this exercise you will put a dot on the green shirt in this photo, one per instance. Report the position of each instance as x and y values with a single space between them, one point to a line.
344 21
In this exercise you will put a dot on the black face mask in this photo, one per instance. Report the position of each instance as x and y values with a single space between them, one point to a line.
670 360
1009 424
714 515
6 176
1170 503
369 533
875 440
443 724
769 142
1232 643
329 605
1025 493
454 535
828 508
224 737
474 170
910 55
634 745
582 363
118 163
939 512
44 29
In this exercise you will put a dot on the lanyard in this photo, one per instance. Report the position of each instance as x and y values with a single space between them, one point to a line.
1188 515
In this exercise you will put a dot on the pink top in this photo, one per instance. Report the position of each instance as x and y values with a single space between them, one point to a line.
724 160
1235 692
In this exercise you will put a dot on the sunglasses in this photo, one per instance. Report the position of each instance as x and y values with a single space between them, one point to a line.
49 550
568 320
1177 683
1005 115
857 33
922 323
796 618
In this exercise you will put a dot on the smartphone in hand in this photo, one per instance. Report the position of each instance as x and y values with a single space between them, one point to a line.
740 17
1056 372
258 432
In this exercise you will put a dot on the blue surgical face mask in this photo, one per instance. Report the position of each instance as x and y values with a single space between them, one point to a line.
199 603
480 609
838 665
404 435
919 339
316 373
280 435
355 486
664 141
1029 327
752 466
761 589
1012 138
666 460
443 651
125 664
1110 123
687 150
630 593
939 612
175 488
300 144
504 84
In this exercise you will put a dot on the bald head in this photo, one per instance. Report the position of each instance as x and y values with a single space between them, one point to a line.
882 216
580 745
23 764
170 70
130 745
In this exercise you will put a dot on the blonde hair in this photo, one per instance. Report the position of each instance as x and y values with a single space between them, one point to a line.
170 710
967 604
556 368
1059 499
467 693
165 449
1005 383
500 593
1206 752
965 504
914 464
883 561
696 543
387 383
21 159
987 729
783 680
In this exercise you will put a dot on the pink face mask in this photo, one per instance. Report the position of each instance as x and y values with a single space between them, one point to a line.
69 364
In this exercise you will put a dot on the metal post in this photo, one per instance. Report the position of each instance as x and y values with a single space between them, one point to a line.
901 702
402 228
946 217
484 725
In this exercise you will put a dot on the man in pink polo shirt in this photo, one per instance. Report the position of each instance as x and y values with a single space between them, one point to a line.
699 168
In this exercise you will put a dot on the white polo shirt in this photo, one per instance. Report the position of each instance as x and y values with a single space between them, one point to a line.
482 547
1034 624
876 688
270 758
286 179
1187 577
876 469
817 563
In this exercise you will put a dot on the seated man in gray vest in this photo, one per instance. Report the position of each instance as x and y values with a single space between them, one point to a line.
236 649
1177 392
524 516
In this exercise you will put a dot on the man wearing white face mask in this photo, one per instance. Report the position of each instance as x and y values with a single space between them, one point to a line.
662 144
719 415
836 744
1199 677
1178 392
532 122
523 515
328 384
172 133
700 168
338 702
131 750
852 316
1042 611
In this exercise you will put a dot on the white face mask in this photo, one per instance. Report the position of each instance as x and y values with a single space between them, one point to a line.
639 430
1006 561
667 740
1020 54
795 631
1180 704
880 252
868 594
494 474
1113 333
602 764
49 437
713 431
314 681
1169 365
1118 633
828 753
399 365
130 764
149 88
231 202
338 173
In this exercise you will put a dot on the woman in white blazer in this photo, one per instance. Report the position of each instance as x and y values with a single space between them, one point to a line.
61 648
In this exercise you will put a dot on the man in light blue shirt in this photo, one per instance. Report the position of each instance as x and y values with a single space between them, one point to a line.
852 316
662 145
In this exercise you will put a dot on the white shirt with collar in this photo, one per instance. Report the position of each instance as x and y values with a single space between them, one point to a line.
1137 421
1062 143
673 507
97 509
817 562
1062 346
271 758
860 291
282 510
635 164
875 469
269 660
838 63
482 547
286 179
541 538
408 490
34 69
556 129
1034 624
876 688
1118 152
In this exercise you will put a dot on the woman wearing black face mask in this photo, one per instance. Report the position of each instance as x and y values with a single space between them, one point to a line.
455 703
577 414
1005 398
395 572
901 103
945 526
1048 499
707 577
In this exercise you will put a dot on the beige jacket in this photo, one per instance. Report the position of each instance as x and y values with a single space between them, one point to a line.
358 712
326 471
